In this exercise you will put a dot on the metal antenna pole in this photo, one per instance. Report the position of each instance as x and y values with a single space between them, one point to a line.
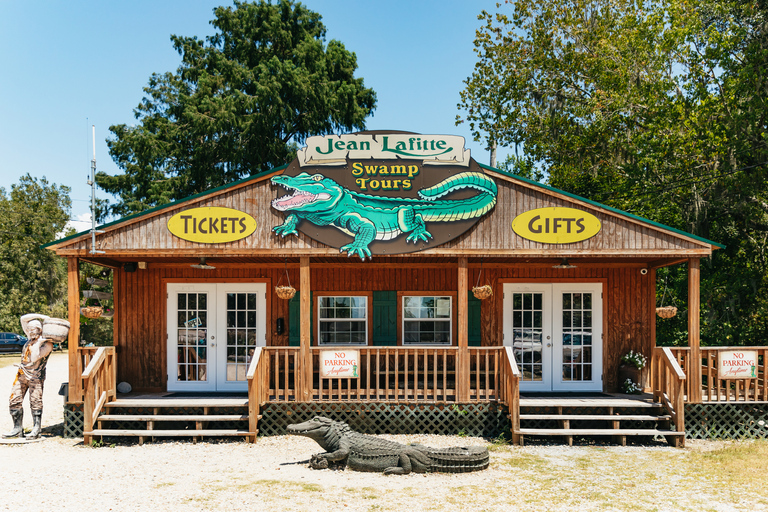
92 183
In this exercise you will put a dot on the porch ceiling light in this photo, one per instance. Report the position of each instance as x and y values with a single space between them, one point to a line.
564 264
203 265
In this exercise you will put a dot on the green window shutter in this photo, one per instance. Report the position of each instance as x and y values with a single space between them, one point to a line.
384 318
294 320
473 320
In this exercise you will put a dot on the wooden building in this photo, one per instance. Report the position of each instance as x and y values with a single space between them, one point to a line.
203 316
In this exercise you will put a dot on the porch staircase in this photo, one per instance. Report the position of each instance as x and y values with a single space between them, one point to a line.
195 418
615 417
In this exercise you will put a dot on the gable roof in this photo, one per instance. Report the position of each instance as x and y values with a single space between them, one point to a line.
253 193
602 206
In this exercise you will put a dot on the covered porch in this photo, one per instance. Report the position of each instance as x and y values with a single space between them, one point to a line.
563 312
459 375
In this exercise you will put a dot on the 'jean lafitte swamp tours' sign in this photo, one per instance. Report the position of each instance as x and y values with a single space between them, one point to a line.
383 192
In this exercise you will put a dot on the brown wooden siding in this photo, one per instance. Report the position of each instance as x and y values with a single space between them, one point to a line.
141 305
493 233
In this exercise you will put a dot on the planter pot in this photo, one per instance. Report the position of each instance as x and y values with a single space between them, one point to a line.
55 329
634 374
95 281
482 292
91 311
285 292
93 294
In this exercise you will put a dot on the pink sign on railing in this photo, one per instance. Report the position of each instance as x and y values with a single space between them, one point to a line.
340 363
737 364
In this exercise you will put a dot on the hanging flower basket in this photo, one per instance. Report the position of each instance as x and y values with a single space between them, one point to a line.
666 311
482 292
91 311
285 292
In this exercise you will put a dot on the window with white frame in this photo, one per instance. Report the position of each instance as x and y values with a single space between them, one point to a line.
427 319
343 320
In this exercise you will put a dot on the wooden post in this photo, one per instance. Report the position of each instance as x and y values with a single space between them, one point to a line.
73 301
694 302
462 373
305 394
652 325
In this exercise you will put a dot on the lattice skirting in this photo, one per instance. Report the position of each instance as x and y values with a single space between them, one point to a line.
726 421
73 420
481 419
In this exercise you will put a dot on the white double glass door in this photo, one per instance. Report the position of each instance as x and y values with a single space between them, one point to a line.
213 329
556 335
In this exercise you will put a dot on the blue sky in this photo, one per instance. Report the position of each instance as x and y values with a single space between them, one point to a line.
69 65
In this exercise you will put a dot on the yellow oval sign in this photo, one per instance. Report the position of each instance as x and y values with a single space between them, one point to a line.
556 225
211 225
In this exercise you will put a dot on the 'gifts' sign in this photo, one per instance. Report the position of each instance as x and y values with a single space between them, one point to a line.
737 364
339 363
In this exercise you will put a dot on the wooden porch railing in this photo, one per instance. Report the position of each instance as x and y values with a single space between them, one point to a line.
668 382
714 389
387 374
392 374
509 390
397 374
99 385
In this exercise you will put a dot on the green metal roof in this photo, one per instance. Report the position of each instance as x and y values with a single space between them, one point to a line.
600 205
169 205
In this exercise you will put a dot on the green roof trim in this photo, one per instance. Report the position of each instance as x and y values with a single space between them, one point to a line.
600 205
169 205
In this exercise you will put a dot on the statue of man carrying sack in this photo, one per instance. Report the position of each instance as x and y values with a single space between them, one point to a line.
30 377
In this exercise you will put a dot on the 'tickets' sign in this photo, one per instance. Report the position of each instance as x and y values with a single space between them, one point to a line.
383 192
211 225
339 363
556 225
737 364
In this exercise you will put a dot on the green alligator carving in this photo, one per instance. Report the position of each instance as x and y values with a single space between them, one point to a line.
367 453
324 202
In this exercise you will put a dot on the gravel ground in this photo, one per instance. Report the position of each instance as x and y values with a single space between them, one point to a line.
273 475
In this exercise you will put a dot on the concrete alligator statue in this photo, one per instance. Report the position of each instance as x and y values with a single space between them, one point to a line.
324 202
367 453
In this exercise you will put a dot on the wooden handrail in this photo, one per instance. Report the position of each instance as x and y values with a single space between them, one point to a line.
511 391
669 388
95 363
257 390
512 363
254 363
670 361
99 380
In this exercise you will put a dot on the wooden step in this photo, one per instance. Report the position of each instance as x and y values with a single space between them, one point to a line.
177 402
595 417
587 402
596 432
172 417
170 433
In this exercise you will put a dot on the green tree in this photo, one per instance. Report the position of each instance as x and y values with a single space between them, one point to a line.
655 107
240 102
32 279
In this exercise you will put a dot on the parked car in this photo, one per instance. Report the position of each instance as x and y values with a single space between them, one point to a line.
10 342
